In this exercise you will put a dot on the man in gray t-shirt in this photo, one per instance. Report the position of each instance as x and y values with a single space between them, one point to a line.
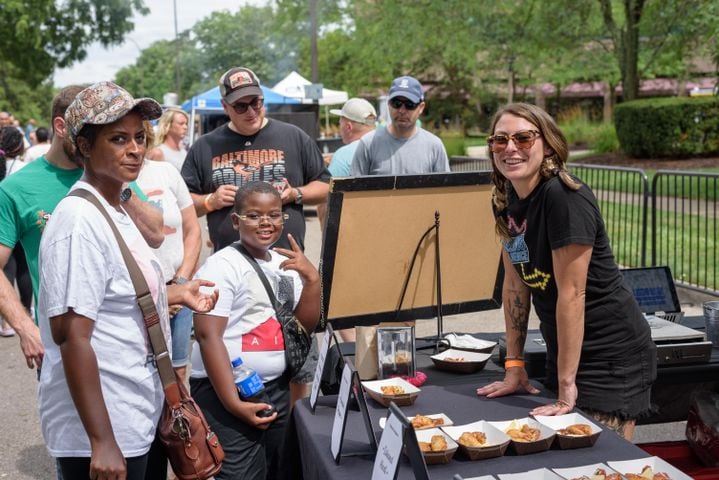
402 147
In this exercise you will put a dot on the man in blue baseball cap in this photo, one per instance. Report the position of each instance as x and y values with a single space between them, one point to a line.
402 147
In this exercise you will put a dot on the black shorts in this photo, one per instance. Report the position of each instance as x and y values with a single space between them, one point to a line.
619 386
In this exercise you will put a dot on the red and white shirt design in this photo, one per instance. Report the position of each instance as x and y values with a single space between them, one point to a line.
253 331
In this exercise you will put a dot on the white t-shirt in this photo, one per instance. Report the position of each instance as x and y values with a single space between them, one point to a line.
81 267
253 331
36 151
174 157
13 165
167 192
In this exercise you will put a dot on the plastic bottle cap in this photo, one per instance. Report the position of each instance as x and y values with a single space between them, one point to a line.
237 362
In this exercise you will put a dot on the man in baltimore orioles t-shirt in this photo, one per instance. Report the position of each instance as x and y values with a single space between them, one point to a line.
252 147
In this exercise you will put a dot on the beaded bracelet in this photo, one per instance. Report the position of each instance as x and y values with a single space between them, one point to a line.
513 363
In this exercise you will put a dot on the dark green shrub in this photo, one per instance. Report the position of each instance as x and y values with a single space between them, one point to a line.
605 139
668 127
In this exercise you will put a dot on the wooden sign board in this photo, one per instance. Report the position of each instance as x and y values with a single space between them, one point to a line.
373 227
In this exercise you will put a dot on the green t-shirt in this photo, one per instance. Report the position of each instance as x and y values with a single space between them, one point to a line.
27 199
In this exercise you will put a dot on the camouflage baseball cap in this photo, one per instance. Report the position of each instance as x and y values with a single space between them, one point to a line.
103 103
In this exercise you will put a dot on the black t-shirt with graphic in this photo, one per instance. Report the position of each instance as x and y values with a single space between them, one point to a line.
224 157
554 216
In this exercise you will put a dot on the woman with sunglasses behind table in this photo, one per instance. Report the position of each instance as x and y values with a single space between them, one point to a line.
600 356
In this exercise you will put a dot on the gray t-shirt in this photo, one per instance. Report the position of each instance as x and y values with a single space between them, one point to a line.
379 153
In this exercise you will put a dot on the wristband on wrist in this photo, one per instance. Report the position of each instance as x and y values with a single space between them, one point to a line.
207 203
513 363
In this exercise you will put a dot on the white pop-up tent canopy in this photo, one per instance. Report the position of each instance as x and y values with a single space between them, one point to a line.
293 85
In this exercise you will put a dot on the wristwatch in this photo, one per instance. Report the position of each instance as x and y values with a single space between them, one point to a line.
179 280
126 194
298 196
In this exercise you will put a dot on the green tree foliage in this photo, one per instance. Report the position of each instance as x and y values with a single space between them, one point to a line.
41 35
153 73
657 36
247 37
471 54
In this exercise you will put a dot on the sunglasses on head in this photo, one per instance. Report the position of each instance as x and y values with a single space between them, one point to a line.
256 103
524 140
397 103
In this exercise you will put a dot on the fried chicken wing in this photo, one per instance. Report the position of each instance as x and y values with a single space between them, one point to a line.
420 421
576 430
523 434
439 443
473 439
392 390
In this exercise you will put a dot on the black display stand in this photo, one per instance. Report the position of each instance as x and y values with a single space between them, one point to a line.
321 364
371 228
393 443
438 268
350 389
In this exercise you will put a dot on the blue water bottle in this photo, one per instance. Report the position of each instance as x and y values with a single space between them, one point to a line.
250 386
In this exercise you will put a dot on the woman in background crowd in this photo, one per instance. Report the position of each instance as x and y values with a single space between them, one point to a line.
166 191
171 131
600 355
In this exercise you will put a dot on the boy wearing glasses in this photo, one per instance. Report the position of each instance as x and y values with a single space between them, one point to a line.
252 147
244 324
402 148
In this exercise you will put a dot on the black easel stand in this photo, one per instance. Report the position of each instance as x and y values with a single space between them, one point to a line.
435 227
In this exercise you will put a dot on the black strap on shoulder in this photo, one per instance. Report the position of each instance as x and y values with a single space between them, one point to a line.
260 273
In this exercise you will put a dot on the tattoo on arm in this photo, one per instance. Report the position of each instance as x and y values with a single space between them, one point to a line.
519 318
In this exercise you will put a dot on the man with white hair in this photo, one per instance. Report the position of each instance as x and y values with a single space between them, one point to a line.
357 118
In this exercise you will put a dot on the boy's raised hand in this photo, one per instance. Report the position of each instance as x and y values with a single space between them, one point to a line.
297 261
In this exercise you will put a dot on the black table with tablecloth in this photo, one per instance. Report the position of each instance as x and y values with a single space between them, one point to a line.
454 395
462 405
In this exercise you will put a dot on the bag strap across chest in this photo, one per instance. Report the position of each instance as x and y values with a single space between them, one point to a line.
146 303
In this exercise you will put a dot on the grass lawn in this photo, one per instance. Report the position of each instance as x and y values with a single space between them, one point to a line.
685 242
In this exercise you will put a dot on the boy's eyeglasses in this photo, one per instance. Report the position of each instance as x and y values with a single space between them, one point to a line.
253 219
397 103
256 103
524 140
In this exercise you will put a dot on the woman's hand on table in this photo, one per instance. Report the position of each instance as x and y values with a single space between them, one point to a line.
564 404
515 379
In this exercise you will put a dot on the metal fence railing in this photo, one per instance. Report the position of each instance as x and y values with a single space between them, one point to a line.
469 164
623 196
685 226
673 223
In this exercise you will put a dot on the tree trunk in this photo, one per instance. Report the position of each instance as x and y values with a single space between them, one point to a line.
510 80
630 49
539 97
608 107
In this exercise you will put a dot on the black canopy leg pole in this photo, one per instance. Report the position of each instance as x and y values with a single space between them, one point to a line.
440 321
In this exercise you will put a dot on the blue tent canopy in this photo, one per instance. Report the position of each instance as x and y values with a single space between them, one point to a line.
210 100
